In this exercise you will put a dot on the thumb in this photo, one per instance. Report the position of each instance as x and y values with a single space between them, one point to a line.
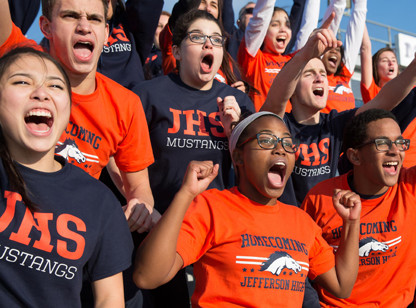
328 21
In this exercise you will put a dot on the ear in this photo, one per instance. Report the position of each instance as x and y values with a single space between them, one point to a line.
176 51
45 26
353 156
238 157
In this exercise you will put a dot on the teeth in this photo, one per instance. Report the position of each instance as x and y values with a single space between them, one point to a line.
391 163
85 43
280 163
333 58
39 113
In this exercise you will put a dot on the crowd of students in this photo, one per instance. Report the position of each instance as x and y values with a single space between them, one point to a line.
228 149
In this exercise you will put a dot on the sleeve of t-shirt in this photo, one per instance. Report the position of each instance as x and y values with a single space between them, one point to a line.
135 152
196 231
113 252
321 256
17 39
370 93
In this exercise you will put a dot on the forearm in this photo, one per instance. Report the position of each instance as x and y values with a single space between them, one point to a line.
338 7
346 258
354 35
5 21
257 27
156 259
284 84
309 22
366 60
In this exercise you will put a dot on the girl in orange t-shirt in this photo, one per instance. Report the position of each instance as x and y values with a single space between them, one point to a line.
249 249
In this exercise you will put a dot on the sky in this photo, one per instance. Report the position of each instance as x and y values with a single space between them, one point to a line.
398 14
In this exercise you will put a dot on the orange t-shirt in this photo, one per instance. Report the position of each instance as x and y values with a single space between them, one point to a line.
248 254
387 267
340 96
260 71
108 122
368 94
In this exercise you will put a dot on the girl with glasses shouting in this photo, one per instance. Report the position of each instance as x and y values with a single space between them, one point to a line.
249 249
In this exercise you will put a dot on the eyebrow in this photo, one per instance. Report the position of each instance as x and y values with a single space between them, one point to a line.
89 16
30 76
269 131
201 32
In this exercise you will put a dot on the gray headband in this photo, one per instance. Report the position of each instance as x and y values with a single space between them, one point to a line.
238 130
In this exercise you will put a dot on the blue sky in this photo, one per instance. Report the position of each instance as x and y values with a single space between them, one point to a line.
399 14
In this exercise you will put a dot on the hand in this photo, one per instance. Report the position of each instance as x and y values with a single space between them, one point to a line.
229 111
347 204
198 176
240 85
321 40
138 216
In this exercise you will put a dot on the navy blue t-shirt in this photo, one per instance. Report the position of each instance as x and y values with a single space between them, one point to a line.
184 126
318 154
79 229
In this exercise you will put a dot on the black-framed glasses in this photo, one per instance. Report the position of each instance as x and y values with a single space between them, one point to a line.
384 144
269 142
216 39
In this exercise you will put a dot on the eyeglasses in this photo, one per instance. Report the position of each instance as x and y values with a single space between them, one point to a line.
384 144
269 142
216 40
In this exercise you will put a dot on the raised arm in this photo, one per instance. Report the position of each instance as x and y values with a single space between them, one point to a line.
366 60
309 23
394 91
285 83
143 17
340 279
257 27
338 7
354 35
5 21
157 260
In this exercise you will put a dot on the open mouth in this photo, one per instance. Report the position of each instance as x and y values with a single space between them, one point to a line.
318 92
206 63
391 166
39 120
83 49
276 174
333 60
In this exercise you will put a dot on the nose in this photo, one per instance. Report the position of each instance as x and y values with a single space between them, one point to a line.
279 149
40 94
83 25
394 149
208 43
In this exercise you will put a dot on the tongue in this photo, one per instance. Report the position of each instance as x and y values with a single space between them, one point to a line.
40 127
275 179
390 169
82 51
205 67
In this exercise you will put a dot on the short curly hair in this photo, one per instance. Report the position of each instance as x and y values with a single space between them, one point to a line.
355 132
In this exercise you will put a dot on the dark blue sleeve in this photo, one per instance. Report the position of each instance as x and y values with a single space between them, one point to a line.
143 17
405 112
180 8
296 14
24 12
228 16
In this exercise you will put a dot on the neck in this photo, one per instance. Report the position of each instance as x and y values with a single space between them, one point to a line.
305 116
43 162
364 187
201 85
83 84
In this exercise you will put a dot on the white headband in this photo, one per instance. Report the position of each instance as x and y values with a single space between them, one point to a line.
240 127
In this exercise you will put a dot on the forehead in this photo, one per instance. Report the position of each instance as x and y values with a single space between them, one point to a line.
280 15
210 2
316 64
204 26
89 6
387 54
269 123
383 128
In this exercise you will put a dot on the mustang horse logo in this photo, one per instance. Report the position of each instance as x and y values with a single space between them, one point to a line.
369 244
278 261
70 149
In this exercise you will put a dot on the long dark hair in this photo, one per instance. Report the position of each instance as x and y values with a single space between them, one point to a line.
16 180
